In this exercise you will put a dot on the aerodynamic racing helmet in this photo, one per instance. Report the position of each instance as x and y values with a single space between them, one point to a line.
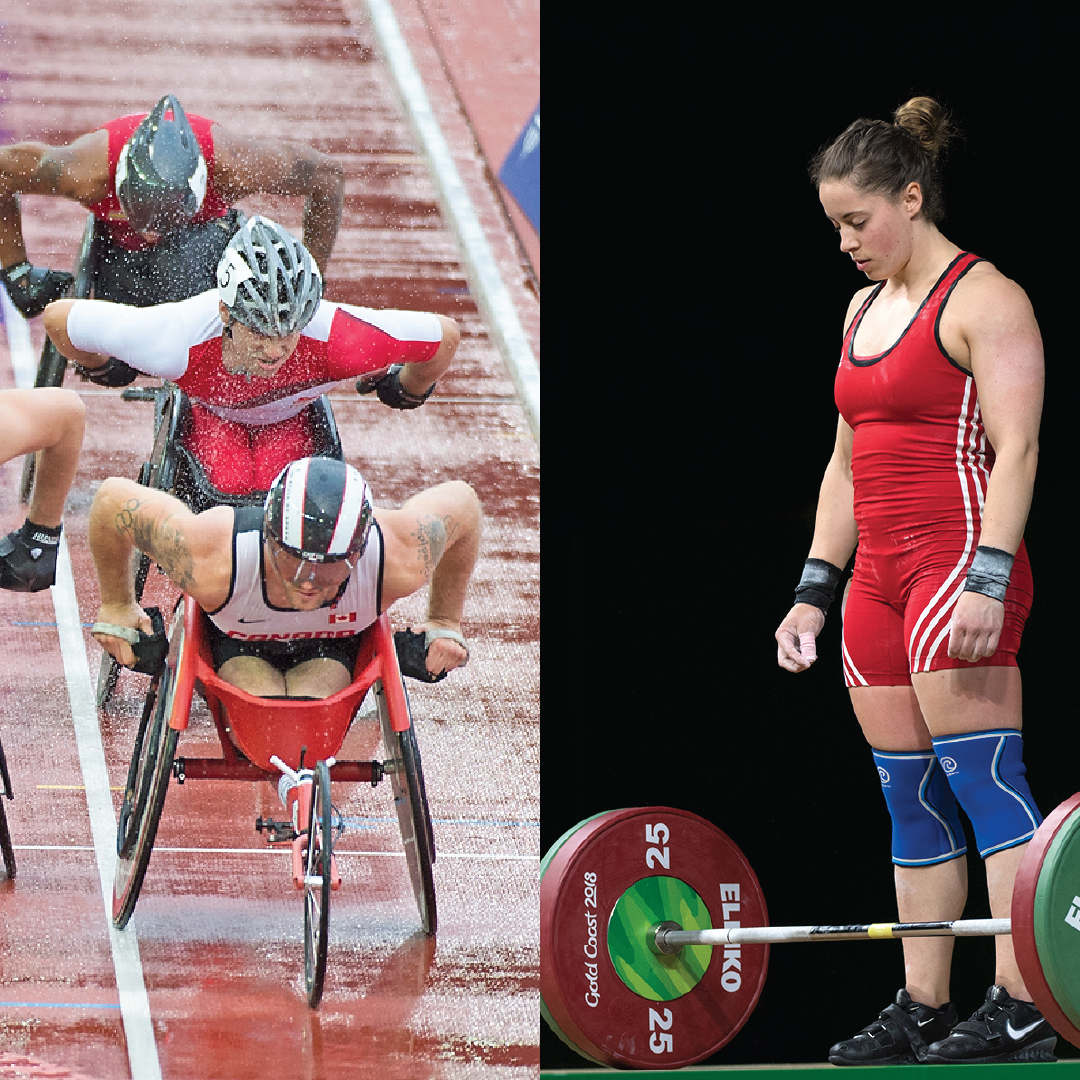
268 279
319 510
161 172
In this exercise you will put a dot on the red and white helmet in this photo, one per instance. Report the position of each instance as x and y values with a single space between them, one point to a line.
319 510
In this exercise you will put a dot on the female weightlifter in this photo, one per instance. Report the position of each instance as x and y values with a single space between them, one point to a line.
939 390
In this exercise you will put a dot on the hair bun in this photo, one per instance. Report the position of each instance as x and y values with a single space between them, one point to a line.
928 122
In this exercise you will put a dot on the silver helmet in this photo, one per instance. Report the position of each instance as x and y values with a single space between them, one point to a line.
268 279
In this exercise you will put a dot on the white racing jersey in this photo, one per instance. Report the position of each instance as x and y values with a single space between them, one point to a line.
247 614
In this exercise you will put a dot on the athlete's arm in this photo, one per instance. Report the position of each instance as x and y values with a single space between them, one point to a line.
1005 354
402 337
418 379
153 340
79 171
434 540
193 550
244 166
835 536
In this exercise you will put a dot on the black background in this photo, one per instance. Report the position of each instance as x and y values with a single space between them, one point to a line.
689 448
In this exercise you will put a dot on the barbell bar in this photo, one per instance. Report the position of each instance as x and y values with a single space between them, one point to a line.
654 934
668 938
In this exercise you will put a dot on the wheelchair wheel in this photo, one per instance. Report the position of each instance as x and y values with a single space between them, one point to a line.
147 785
406 774
5 842
5 833
317 885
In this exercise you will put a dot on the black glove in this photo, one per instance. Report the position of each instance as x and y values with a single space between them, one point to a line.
28 558
112 373
412 650
390 390
31 289
151 649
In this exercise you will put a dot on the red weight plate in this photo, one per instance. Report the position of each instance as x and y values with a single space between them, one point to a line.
1030 891
590 1006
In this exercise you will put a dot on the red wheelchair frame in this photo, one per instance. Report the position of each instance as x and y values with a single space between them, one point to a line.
262 738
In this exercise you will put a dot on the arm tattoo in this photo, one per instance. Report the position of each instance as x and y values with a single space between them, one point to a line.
165 543
431 537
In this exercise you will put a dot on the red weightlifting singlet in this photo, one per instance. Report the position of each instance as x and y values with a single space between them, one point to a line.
920 462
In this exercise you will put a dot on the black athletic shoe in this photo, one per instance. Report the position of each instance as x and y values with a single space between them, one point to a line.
1002 1029
901 1035
28 558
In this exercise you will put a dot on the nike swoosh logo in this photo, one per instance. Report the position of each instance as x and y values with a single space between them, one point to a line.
1014 1034
923 1023
242 620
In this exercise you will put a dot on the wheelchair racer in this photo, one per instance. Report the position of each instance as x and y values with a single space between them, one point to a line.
289 586
255 353
160 186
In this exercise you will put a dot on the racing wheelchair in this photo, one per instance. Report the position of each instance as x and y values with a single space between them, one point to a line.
294 740
172 467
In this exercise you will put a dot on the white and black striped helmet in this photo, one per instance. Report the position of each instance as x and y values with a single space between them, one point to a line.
319 509
268 279
161 173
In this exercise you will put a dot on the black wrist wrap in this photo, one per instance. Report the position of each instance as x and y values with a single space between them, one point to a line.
818 583
989 573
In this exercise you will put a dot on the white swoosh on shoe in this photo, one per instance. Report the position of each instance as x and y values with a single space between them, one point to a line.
1013 1033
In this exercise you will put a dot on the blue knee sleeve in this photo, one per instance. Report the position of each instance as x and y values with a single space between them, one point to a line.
926 825
986 772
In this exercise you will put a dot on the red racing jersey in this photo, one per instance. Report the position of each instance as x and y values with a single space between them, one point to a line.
182 342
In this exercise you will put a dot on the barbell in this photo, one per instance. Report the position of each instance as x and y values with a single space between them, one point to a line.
654 934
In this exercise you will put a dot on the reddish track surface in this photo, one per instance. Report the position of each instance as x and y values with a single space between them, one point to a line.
219 927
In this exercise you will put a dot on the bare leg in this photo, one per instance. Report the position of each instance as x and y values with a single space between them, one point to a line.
49 420
253 675
930 894
318 678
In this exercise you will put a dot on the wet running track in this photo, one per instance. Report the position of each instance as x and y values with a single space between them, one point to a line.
421 100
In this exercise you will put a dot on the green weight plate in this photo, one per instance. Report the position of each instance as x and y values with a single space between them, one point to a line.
644 906
1046 919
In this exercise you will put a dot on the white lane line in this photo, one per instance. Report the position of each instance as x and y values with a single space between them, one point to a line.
491 292
23 364
134 1003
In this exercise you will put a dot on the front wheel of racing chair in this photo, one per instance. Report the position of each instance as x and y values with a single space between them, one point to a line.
318 882
149 772
173 468
52 366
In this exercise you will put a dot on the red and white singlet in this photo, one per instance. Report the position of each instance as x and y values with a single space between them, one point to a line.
920 462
